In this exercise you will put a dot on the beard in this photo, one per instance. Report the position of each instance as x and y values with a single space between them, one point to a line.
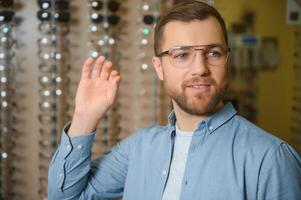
204 103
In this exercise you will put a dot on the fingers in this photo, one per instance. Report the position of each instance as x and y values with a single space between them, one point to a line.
106 71
114 77
87 68
114 82
101 69
98 67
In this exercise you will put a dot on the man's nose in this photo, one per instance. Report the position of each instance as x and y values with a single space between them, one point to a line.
199 66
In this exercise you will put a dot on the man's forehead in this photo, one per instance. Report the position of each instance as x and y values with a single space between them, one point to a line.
195 32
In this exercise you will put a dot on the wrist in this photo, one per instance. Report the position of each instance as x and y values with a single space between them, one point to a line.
82 125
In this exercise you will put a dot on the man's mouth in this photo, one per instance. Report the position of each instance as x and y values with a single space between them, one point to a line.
199 86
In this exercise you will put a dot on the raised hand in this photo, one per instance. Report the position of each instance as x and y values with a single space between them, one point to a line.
96 93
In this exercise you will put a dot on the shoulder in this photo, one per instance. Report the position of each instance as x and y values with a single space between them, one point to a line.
259 147
252 142
254 135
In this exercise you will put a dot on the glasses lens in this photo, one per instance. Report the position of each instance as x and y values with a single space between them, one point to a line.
148 19
48 41
6 3
62 5
96 18
113 19
45 27
6 55
6 16
96 5
44 4
46 106
43 15
216 55
113 6
5 29
182 56
62 16
6 42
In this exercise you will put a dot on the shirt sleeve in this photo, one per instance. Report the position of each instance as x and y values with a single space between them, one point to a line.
72 175
280 176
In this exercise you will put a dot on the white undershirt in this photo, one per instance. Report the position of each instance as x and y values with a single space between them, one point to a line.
174 183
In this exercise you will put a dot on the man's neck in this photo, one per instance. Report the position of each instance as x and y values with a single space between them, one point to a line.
189 122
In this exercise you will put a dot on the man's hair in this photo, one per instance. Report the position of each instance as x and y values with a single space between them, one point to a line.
186 11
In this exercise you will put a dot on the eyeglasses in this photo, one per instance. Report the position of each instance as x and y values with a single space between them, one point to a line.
99 18
45 27
6 16
6 3
148 19
58 16
60 5
113 6
183 56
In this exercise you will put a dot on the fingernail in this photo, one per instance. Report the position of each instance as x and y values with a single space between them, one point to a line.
108 62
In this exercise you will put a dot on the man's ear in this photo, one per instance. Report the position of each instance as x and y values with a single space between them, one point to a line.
158 67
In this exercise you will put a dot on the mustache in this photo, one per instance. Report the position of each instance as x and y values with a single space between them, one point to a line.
205 80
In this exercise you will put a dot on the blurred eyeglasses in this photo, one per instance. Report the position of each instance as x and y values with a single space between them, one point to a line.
46 119
145 7
99 18
113 6
6 55
183 56
44 15
47 106
46 131
48 66
49 93
60 5
47 54
6 42
48 41
6 3
148 19
46 27
5 29
48 80
6 16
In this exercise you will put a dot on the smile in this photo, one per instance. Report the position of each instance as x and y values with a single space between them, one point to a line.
199 86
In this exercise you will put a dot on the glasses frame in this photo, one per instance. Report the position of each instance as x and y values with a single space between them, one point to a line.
203 48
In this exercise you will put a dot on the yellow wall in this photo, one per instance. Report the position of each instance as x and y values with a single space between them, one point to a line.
275 87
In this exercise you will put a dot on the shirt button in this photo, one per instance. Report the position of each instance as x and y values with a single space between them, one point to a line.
210 128
68 146
164 172
80 146
60 174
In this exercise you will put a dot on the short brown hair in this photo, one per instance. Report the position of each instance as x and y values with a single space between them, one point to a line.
186 11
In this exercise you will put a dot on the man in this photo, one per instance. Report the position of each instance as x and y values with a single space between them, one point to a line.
206 151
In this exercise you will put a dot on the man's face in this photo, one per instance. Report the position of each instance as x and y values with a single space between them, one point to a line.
199 88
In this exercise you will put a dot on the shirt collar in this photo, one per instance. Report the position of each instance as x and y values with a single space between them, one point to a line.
219 118
212 122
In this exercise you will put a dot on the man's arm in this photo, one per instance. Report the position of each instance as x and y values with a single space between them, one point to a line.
70 173
73 176
280 176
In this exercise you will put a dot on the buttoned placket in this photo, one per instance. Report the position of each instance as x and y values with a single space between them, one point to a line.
166 171
195 145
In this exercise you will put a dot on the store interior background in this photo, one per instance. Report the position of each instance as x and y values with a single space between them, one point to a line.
265 79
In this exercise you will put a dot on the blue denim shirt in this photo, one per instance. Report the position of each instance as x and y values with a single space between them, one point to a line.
229 158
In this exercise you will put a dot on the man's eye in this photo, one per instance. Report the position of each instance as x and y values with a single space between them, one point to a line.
214 54
181 56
